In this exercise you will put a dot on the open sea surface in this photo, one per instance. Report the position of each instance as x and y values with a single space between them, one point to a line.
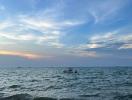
97 83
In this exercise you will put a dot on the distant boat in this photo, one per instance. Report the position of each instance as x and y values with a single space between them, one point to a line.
19 67
70 70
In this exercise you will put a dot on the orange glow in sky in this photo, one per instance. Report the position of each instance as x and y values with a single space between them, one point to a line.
20 54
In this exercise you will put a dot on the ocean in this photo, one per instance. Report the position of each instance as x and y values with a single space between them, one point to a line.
91 83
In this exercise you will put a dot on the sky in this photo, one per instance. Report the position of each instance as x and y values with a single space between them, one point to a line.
60 33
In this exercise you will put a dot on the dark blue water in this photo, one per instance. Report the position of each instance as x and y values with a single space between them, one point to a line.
113 83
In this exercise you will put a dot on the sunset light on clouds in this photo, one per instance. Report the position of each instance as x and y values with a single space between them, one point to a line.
66 32
21 54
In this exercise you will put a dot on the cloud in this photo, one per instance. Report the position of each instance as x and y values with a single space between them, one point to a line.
20 34
77 51
20 54
5 24
91 46
46 24
97 11
109 40
18 37
108 44
46 27
39 24
80 53
106 10
49 40
126 46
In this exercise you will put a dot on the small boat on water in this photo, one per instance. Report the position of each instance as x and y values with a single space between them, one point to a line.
70 70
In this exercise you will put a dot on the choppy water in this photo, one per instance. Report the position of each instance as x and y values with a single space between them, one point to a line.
52 84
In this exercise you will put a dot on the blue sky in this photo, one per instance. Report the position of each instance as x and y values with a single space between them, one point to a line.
65 33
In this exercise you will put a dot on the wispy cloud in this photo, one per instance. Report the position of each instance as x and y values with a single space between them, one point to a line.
5 24
46 27
126 46
103 45
106 10
109 40
82 53
18 37
46 24
51 39
24 28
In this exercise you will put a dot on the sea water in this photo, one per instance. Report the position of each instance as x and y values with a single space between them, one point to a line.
91 83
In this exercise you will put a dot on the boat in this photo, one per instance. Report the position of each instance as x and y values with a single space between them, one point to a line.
70 70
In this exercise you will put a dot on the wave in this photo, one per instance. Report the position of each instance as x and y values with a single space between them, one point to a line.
123 97
14 86
44 98
18 97
29 97
90 95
